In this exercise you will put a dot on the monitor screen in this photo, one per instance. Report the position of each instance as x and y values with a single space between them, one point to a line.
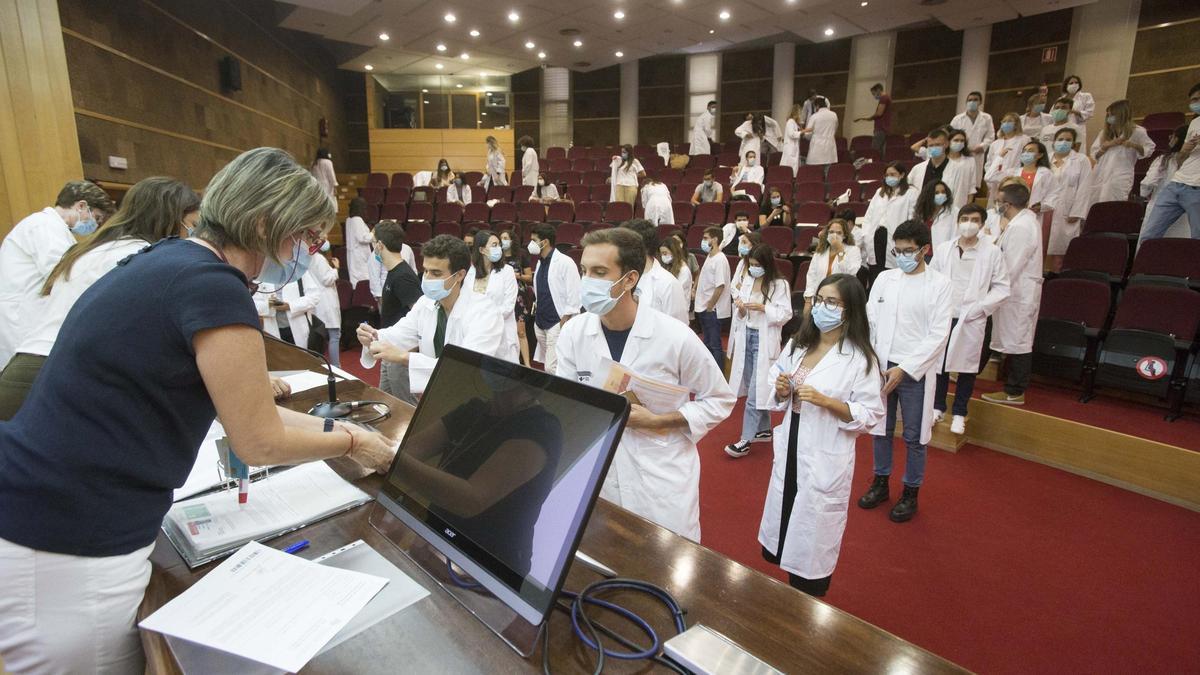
499 469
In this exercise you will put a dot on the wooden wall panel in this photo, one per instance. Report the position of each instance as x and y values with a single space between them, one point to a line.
654 130
662 100
527 104
40 151
823 57
1166 56
414 150
1015 67
921 116
662 70
596 132
745 87
596 106
925 78
358 144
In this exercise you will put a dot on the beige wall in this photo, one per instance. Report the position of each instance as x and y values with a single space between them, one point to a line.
39 150
413 150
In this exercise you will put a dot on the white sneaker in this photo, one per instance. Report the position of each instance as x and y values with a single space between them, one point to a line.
958 425
938 416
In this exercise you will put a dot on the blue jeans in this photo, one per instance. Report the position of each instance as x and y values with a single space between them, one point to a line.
710 326
753 419
910 394
1173 200
964 388
335 346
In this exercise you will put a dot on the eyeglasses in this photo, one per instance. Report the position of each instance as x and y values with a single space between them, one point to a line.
830 303
905 251
313 239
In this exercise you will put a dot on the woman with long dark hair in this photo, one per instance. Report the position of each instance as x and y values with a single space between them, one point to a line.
322 170
498 282
626 170
935 207
891 205
827 380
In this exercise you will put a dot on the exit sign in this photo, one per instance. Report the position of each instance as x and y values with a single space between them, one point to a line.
1050 54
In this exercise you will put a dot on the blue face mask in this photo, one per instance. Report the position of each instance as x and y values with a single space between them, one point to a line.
495 253
705 246
907 263
1194 107
1028 158
378 258
892 181
775 201
1039 108
935 151
940 198
743 251
596 295
826 319
957 146
1007 127
756 272
1062 147
435 289
1059 115
277 275
85 227
1111 119
972 106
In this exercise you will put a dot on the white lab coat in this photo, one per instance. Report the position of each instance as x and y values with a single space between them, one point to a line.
655 474
1158 174
988 288
529 167
887 212
980 132
747 174
1072 189
299 312
1050 130
773 135
714 273
791 145
656 203
1006 160
358 250
329 308
702 133
1112 179
502 292
1084 104
497 170
822 149
1043 188
934 312
473 324
659 289
563 278
323 171
941 230
847 263
824 459
685 281
1031 125
454 195
27 255
1016 318
769 324
959 176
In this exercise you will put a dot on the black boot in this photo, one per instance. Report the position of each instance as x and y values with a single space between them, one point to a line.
906 508
877 495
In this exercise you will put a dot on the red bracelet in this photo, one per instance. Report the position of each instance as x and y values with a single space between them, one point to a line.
351 448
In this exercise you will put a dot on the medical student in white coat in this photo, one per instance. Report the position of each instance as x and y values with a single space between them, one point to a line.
712 293
555 292
656 202
763 305
324 271
759 133
1034 171
1071 199
34 246
820 130
909 311
827 380
496 170
358 243
468 319
792 133
1083 105
980 129
1014 323
289 309
490 277
529 161
1158 175
958 171
1117 149
1061 118
658 288
704 131
962 176
935 208
979 283
655 471
891 205
836 253
1005 150
1035 116
749 171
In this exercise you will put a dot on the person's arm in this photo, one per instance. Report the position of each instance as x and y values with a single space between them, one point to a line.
864 409
1140 141
1083 193
508 300
696 195
393 343
998 290
513 464
1086 108
712 401
303 304
639 169
570 283
879 109
931 349
787 214
233 365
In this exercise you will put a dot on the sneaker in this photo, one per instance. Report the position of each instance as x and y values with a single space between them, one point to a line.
1002 397
958 425
938 416
762 437
739 449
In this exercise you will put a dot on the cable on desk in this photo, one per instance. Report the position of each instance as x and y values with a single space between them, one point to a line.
460 581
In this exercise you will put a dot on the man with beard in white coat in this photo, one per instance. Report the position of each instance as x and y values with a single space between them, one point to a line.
658 288
656 469
703 131
1016 319
979 283
910 312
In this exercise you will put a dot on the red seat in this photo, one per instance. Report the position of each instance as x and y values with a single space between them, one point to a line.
804 237
810 173
570 177
579 193
397 195
560 212
402 179
600 193
396 212
778 238
801 279
811 213
569 233
693 174
583 165
1167 261
1123 218
589 212
783 267
504 212
752 189
531 211
1100 258
684 212
345 293
702 162
599 152
733 263
722 174
859 208
709 213
417 233
371 214
1163 120
472 178
477 212
728 159
748 208
372 195
449 213
809 192
779 174
554 153
618 212
577 152
522 193
694 236
1083 301
420 211
377 180
501 192
665 231
871 171
439 196
860 143
559 165
452 229
361 296
595 177
871 154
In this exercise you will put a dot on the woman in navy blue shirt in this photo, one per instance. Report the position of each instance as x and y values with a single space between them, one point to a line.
145 360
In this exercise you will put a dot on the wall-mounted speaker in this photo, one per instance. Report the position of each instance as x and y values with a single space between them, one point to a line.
231 74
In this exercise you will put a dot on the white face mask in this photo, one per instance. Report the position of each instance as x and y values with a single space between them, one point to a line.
968 229
1072 88
835 238
533 248
667 258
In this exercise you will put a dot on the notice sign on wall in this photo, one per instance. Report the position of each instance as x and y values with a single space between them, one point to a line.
1050 54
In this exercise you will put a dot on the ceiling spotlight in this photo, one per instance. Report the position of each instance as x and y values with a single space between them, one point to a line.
438 66
711 31
450 18
464 56
541 55
483 113
426 102
385 37
474 32
864 3
724 15
459 86
424 91
529 44
619 14
441 47
578 43
620 54
828 32
368 67
514 17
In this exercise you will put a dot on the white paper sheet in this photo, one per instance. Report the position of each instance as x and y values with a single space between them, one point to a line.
267 606
658 397
303 381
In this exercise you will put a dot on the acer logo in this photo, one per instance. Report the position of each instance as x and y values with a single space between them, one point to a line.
450 533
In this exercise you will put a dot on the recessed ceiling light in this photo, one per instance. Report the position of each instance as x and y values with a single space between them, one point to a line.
529 44
441 47
464 56
724 15
368 67
459 86
514 17
864 3
619 14
385 37
620 54
578 43
483 113
424 91
541 55
828 32
474 32
426 102
711 31
438 66
450 18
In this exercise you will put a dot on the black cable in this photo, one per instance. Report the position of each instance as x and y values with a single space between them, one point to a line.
546 643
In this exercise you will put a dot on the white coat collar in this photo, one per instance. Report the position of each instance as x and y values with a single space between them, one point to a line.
643 323
838 355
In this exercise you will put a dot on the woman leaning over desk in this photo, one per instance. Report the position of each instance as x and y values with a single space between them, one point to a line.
145 360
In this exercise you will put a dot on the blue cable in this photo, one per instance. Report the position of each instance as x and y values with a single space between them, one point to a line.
585 596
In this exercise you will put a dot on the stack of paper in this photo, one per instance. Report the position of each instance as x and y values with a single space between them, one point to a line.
207 527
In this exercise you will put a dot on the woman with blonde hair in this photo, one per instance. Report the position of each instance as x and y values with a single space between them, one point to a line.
443 177
1116 150
146 359
1006 149
496 165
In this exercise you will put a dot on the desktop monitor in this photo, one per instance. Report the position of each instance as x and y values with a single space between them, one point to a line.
499 469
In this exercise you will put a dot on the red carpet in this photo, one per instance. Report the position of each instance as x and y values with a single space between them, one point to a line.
1009 567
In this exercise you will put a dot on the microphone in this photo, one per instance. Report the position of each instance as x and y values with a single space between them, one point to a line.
332 408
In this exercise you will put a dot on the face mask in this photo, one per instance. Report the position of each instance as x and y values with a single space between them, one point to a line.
505 244
1058 114
1028 158
191 229
495 253
705 246
444 167
826 319
907 263
624 156
378 258
892 181
968 229
1001 209
756 272
775 201
435 289
1039 108
85 227
541 183
834 238
1072 88
1062 147
939 198
533 248
935 151
1007 127
743 250
750 161
708 183
277 274
875 96
596 295
972 106
1194 107
957 146
712 111
325 246
1111 119
667 259
458 182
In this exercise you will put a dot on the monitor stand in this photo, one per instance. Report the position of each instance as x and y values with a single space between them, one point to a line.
509 626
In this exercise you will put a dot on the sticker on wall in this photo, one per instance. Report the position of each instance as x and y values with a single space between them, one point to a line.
1151 368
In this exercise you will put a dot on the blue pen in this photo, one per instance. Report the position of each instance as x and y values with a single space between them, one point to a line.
297 547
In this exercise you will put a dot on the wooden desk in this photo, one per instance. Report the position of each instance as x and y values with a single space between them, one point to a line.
780 625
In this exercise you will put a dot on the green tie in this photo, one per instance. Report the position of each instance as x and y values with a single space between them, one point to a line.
439 335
